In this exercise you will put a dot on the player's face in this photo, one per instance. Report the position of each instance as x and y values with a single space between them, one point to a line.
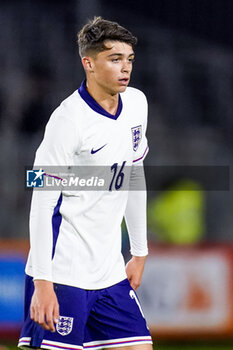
112 68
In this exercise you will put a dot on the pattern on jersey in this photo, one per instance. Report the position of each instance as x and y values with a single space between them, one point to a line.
65 325
136 136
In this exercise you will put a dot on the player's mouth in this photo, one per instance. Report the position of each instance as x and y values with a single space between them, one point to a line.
124 81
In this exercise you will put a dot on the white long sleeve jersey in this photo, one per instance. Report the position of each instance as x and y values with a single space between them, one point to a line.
75 236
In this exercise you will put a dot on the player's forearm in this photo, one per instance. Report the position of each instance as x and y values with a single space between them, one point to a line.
41 233
135 216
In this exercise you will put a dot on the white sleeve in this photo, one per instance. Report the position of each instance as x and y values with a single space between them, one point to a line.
135 213
41 232
56 149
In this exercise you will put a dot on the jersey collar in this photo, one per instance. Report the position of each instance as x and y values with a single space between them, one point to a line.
95 106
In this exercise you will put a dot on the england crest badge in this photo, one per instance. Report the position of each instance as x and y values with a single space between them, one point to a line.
64 325
136 136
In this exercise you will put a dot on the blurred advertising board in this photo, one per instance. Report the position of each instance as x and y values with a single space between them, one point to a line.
188 291
12 264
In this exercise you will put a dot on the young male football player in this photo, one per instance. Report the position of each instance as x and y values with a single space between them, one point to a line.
79 294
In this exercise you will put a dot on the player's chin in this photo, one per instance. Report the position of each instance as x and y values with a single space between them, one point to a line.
122 88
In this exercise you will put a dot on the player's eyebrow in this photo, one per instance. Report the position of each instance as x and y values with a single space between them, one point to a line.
120 54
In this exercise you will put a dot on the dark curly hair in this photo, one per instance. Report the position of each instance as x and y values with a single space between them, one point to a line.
92 37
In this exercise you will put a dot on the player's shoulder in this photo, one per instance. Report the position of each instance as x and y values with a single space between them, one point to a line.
70 105
134 93
67 116
70 109
135 101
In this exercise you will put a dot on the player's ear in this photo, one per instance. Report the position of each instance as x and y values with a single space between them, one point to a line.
87 64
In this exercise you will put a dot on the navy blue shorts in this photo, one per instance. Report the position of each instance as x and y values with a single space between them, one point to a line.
89 319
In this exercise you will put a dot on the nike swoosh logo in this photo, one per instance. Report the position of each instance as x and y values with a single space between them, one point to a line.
93 151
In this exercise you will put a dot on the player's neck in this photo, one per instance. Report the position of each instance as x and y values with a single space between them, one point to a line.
107 101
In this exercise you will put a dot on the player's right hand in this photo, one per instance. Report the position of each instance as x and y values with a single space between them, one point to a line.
44 308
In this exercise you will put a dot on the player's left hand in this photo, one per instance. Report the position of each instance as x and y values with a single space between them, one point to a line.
134 270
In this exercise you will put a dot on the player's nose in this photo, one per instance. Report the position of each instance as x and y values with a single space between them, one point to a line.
126 67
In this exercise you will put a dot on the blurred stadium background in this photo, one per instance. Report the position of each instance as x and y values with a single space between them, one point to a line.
184 64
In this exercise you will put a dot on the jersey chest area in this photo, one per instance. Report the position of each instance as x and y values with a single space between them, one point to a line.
106 141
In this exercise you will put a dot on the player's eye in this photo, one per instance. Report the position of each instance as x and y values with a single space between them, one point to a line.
132 59
115 60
